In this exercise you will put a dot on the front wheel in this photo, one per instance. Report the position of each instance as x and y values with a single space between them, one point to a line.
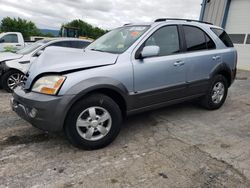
216 94
93 122
11 79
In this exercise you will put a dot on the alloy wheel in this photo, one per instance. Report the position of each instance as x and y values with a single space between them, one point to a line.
218 92
94 123
14 80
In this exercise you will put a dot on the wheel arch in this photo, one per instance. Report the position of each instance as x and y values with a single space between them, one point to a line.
114 90
4 77
224 70
13 69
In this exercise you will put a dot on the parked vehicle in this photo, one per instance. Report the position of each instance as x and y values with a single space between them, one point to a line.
13 66
128 70
11 41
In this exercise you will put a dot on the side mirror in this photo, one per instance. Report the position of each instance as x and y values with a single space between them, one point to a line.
1 40
150 51
39 52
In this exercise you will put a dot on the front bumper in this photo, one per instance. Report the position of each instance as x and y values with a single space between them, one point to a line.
45 112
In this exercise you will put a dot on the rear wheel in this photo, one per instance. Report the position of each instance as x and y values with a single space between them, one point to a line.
93 122
11 79
216 94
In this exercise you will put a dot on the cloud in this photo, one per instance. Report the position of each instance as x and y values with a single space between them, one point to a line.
106 14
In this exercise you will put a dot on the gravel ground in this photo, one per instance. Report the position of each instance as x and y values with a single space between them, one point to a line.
178 146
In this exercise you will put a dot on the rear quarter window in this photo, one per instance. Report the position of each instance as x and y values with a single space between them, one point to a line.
223 37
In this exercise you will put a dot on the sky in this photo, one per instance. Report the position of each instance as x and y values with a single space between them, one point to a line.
106 14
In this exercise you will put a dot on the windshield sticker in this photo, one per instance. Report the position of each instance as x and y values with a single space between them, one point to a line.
134 33
120 46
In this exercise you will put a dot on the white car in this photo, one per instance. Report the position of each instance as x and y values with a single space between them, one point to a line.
13 66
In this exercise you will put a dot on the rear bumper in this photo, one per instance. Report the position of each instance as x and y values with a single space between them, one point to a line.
45 112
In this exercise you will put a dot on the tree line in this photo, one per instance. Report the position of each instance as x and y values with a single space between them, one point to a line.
85 29
28 28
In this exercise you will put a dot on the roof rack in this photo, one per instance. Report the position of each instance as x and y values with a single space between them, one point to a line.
188 20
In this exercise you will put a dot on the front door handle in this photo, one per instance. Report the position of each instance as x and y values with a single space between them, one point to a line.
179 63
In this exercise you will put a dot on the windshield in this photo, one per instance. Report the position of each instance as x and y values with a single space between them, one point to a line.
30 48
118 40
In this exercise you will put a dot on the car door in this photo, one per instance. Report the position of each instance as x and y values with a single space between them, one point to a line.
160 78
201 58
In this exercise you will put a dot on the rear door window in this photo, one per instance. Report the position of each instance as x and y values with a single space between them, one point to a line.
196 39
210 43
223 36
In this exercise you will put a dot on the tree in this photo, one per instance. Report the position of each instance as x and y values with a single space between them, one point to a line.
27 28
85 29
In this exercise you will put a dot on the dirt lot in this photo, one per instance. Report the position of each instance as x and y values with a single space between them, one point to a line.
178 146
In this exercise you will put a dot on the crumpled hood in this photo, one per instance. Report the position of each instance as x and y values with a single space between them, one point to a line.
5 56
60 59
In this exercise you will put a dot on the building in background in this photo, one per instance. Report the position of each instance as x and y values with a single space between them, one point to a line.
234 17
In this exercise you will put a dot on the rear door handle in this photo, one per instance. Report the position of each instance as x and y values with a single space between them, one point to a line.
179 63
216 57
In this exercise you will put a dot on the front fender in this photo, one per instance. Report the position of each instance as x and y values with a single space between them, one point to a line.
93 84
16 65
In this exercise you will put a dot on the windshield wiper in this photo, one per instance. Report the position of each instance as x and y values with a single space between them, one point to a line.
93 49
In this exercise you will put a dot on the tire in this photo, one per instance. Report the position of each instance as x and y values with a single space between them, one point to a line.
78 136
9 77
211 101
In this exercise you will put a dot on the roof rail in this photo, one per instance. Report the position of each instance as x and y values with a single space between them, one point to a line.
188 20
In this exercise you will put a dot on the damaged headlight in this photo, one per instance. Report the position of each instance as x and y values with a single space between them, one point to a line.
49 84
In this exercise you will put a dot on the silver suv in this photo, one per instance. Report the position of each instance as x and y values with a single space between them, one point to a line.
130 69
